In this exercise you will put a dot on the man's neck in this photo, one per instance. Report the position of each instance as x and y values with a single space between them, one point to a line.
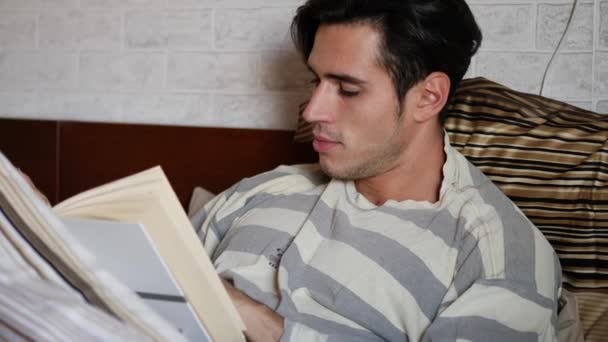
417 175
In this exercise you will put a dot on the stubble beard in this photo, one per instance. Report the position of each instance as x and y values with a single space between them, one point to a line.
376 160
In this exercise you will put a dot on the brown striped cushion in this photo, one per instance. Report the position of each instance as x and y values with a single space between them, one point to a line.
551 159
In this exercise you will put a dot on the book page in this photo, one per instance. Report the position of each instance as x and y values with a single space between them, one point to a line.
125 250
57 257
148 199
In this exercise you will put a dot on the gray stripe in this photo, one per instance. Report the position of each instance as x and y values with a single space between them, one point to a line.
558 282
259 240
403 265
249 183
469 262
451 230
469 265
287 330
335 331
519 243
558 275
271 300
475 329
242 186
523 291
335 297
302 202
296 202
197 220
200 216
246 184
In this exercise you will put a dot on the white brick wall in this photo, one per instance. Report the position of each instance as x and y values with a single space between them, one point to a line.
230 62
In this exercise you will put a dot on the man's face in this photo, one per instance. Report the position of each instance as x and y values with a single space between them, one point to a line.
358 129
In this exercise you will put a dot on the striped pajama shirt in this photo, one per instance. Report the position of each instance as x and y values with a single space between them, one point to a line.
469 267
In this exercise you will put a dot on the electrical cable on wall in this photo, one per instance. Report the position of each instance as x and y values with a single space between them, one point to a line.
559 44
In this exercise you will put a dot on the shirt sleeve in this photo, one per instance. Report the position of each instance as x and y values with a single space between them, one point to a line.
507 280
505 288
215 219
496 310
205 222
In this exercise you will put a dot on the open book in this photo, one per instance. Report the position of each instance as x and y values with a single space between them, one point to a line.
137 230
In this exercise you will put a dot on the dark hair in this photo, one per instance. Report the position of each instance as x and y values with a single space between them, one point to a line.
419 36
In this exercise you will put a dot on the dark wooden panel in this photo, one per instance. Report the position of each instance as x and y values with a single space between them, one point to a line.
32 146
215 158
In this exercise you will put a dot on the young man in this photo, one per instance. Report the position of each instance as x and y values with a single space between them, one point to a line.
396 236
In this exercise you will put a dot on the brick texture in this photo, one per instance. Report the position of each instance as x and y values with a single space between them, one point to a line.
231 63
602 106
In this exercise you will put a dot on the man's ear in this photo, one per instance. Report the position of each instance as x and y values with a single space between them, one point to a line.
433 94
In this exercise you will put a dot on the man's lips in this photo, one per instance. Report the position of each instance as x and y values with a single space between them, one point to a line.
322 144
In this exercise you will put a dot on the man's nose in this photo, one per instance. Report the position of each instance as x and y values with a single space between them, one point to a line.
320 106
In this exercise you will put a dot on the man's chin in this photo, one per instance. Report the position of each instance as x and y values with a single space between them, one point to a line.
328 169
336 172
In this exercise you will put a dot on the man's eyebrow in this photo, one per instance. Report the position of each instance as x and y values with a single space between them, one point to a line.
340 77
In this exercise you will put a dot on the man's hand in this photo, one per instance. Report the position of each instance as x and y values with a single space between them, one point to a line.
261 322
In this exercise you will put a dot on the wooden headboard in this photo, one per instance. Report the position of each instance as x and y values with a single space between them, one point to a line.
65 158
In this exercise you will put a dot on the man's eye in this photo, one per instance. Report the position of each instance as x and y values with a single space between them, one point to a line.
348 93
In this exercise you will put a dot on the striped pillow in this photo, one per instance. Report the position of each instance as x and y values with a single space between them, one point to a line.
551 159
